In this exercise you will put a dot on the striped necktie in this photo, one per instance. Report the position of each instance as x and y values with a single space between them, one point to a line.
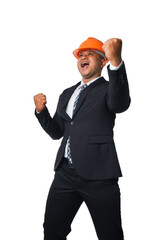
74 107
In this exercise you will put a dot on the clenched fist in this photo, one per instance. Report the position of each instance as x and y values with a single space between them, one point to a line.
40 101
112 49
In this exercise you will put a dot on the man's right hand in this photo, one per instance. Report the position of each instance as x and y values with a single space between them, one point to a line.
40 101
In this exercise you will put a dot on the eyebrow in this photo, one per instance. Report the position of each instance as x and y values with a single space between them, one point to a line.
86 51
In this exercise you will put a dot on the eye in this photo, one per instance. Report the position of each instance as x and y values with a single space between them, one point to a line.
80 54
90 53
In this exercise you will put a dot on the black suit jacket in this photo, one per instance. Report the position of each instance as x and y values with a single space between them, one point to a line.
91 128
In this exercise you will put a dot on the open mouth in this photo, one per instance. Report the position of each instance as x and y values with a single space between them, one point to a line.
84 64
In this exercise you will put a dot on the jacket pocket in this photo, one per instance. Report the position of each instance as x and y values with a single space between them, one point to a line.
100 139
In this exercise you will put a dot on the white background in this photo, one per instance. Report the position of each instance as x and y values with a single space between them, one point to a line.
36 43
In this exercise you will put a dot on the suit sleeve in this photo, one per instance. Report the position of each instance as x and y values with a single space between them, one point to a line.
54 127
118 98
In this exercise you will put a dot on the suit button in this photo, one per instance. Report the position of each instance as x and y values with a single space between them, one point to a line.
122 77
72 123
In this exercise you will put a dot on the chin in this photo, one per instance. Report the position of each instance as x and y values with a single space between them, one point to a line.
85 75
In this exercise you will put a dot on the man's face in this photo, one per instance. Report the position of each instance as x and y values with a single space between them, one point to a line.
90 64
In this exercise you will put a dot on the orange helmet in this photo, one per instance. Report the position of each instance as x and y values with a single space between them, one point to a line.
90 43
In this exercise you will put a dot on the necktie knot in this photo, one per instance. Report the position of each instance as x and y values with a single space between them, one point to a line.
83 87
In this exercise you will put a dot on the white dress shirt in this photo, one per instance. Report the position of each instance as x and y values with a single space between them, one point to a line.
69 108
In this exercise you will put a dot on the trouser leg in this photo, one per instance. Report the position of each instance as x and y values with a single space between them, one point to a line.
103 201
62 205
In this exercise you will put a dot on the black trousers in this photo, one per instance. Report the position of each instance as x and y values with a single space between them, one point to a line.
66 195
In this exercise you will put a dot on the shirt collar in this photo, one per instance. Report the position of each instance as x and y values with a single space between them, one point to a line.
88 83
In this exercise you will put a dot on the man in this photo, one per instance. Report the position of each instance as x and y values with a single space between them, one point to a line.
86 166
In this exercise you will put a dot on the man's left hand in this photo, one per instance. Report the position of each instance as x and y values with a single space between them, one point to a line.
112 49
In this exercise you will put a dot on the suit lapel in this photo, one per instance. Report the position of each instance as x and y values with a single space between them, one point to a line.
81 98
85 92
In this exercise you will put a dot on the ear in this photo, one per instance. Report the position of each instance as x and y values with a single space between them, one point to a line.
103 62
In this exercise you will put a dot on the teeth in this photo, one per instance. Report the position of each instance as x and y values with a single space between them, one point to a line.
84 63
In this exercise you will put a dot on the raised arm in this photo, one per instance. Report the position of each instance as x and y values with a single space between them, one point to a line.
118 99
